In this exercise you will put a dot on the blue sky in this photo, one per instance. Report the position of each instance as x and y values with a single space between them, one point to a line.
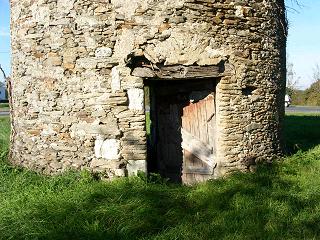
4 36
303 40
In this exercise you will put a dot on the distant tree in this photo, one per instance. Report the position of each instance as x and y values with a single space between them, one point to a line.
316 73
292 79
312 94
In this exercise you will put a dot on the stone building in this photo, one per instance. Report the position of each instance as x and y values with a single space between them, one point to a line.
214 71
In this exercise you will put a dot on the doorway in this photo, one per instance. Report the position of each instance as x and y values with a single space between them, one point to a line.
181 142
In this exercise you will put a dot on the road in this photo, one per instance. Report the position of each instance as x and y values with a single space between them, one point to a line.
302 109
4 113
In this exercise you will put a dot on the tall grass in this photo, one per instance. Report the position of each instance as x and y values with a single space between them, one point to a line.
277 202
4 136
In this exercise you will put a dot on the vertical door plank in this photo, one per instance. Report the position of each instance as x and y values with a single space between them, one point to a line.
197 119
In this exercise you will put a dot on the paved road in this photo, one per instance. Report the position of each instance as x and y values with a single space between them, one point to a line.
302 109
4 113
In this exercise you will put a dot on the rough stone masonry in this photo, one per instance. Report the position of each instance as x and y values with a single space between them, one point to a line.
76 103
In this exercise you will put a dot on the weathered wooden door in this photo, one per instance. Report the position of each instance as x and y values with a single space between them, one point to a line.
168 136
183 117
198 137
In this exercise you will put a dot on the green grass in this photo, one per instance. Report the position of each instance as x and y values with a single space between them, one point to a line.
4 107
4 136
281 201
302 131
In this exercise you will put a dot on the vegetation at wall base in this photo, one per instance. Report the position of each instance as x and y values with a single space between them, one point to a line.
281 201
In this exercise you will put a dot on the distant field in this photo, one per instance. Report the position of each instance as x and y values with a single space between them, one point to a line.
4 107
281 201
302 131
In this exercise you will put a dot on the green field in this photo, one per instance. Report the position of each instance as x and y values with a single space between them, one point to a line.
4 135
277 202
4 107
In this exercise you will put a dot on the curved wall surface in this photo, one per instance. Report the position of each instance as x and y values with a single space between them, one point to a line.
76 103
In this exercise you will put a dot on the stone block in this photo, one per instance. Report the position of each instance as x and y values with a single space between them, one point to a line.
115 80
54 61
101 9
104 164
134 135
120 172
136 99
253 126
63 147
70 55
86 63
103 52
108 149
110 129
97 147
133 167
134 156
88 21
65 5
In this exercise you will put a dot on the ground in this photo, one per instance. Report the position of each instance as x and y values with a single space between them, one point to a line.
281 201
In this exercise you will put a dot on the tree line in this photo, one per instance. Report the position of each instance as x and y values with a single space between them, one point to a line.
307 97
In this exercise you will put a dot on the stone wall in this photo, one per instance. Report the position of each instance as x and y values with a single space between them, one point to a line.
76 104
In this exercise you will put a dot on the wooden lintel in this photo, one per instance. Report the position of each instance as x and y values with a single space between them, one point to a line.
179 72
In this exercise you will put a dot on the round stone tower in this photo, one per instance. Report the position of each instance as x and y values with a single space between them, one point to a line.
212 73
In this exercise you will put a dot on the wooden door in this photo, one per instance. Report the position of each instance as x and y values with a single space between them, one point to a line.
198 137
183 130
168 146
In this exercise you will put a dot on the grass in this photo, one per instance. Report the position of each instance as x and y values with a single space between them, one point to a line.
4 136
4 107
277 202
302 131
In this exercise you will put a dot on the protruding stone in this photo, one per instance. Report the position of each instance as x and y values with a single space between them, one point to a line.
107 148
87 63
115 80
134 167
136 99
110 149
103 52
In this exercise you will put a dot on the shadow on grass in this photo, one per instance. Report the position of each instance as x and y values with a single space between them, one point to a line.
301 132
277 202
269 204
